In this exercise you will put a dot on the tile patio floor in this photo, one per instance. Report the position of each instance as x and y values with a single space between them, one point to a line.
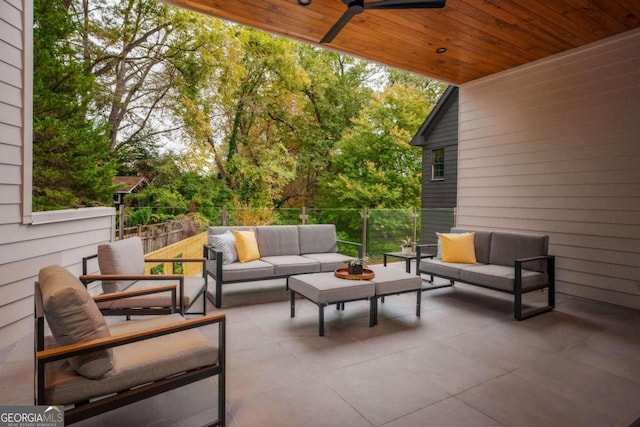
465 362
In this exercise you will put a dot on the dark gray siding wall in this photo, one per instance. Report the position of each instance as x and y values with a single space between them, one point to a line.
439 197
442 194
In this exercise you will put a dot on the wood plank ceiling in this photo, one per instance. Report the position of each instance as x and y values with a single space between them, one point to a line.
481 37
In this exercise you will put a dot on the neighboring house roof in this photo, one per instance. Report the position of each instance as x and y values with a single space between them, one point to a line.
449 95
129 184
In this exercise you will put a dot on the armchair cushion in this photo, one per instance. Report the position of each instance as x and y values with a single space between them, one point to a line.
121 257
136 363
74 317
193 287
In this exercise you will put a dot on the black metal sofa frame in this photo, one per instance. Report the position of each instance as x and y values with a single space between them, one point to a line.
512 253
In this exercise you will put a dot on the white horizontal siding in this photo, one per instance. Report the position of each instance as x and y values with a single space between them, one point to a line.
10 154
553 147
11 14
10 174
25 249
11 114
9 194
10 134
10 73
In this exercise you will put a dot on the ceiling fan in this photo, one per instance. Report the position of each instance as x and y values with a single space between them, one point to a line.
355 7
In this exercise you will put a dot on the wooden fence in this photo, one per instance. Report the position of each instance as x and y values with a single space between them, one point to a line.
157 236
187 248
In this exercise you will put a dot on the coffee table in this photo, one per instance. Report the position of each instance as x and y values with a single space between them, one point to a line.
324 289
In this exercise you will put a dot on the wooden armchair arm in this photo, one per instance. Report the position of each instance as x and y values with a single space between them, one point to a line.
127 294
88 278
176 303
58 353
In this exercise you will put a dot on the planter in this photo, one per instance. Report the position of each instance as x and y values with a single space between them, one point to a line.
355 269
407 250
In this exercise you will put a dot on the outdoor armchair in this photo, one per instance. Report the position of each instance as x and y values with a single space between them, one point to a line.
89 367
122 268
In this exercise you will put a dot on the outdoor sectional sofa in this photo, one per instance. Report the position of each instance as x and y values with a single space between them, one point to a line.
514 263
284 250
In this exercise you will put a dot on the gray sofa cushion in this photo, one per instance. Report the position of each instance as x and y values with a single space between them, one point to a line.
507 247
482 243
329 261
192 288
317 238
277 240
243 271
389 280
120 257
322 288
502 277
136 363
440 268
292 264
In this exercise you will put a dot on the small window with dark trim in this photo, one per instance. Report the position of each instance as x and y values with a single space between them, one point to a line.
437 164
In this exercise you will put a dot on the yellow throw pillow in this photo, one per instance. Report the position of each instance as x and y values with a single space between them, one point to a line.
458 247
246 245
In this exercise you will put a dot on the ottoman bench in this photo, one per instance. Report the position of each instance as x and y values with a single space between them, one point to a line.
324 289
389 281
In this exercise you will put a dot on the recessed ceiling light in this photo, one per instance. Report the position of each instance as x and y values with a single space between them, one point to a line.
441 50
304 2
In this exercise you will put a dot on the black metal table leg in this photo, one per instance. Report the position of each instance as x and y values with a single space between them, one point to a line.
293 304
321 320
373 311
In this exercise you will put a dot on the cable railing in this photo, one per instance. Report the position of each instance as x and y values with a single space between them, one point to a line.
379 230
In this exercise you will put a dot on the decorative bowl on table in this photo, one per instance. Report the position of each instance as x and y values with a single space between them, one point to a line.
343 273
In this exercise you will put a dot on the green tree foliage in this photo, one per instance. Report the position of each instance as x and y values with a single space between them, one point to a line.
373 165
213 113
72 166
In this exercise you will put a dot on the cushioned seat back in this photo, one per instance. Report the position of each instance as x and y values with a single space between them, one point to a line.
277 240
507 247
120 257
317 238
73 317
482 242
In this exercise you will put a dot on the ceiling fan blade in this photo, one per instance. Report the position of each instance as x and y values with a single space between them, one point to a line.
405 4
333 32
